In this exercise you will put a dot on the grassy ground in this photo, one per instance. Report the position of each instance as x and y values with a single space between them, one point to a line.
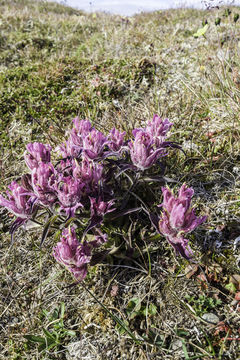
56 63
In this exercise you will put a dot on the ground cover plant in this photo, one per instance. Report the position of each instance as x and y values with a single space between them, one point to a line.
137 298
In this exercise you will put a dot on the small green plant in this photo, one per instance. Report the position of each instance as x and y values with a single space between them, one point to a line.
201 31
231 287
236 17
136 308
202 304
55 333
218 20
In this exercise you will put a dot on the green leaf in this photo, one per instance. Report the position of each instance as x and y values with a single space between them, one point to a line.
231 287
121 330
47 227
49 335
150 310
52 345
67 223
34 338
118 214
45 313
236 17
134 304
70 333
42 347
133 314
181 332
185 350
227 12
201 31
55 314
57 235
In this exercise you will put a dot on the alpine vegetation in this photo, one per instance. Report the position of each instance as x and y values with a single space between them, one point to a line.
94 181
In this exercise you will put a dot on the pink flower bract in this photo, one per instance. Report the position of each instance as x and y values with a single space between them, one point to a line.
178 218
20 201
72 254
37 153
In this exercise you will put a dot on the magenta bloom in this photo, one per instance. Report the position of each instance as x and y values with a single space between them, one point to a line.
116 139
180 245
158 129
64 167
99 208
142 152
74 145
37 153
73 255
43 180
89 172
94 143
20 201
178 218
80 130
69 193
68 149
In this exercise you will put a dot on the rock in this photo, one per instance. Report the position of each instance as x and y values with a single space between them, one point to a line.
177 345
83 349
211 318
76 350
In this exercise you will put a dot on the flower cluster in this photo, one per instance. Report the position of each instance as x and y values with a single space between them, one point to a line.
149 143
70 253
83 187
178 219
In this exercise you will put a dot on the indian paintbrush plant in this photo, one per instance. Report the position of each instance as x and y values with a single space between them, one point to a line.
95 181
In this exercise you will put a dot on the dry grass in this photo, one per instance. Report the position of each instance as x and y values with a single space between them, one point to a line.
56 63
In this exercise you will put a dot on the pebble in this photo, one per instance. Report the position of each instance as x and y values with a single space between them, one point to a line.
176 345
211 318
